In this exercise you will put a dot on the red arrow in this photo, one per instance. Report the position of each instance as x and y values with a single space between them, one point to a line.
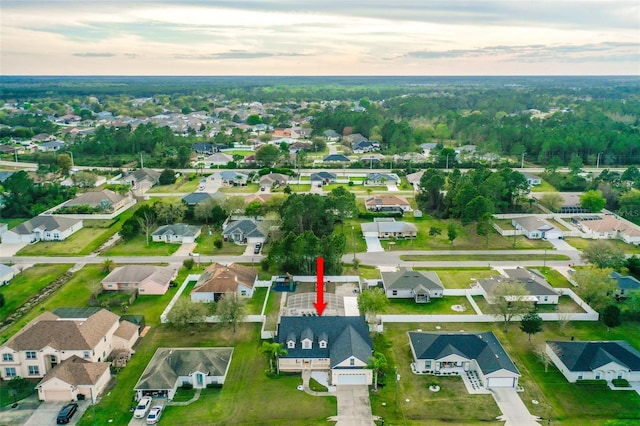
320 304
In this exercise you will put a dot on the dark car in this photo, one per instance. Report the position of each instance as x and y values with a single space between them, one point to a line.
64 416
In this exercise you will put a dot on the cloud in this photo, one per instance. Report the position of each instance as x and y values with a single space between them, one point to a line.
95 54
240 54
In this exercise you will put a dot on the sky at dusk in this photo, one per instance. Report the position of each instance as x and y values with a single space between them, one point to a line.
328 37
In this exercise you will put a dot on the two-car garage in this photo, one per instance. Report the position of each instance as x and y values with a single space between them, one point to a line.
501 382
351 377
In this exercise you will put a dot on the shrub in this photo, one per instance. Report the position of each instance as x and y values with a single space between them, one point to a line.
621 383
594 383
217 243
186 386
214 385
189 263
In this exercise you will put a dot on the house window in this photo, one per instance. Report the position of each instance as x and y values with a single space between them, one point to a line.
291 344
31 354
10 372
619 375
546 298
597 376
7 357
34 370
394 293
243 293
86 354
427 364
323 344
352 362
580 377
306 344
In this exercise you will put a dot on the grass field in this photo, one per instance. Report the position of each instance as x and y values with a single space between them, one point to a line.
505 224
581 244
249 189
180 186
28 283
12 223
437 306
460 277
555 278
480 257
138 246
544 187
205 245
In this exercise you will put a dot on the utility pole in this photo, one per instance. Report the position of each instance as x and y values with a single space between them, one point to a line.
447 167
522 161
598 161
397 381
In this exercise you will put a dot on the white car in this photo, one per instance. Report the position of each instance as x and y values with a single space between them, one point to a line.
154 415
142 407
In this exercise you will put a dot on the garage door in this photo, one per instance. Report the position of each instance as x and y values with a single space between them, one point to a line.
500 382
58 395
352 379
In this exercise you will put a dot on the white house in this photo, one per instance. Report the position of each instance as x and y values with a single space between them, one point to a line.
217 159
475 354
409 284
171 368
179 233
218 280
243 231
91 334
388 227
145 279
539 290
43 228
532 180
608 226
535 228
6 274
595 360
338 345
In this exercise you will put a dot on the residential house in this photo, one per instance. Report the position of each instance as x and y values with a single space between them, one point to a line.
608 226
595 360
281 133
295 147
4 175
539 290
43 137
218 280
204 148
427 148
381 179
371 159
91 334
273 180
365 146
43 228
410 157
141 180
145 279
535 228
217 159
332 135
171 368
73 377
465 150
229 178
179 233
406 283
323 178
387 203
570 201
385 228
243 231
626 284
474 354
335 344
6 274
532 180
260 197
51 146
105 199
300 133
195 198
354 138
336 158
414 179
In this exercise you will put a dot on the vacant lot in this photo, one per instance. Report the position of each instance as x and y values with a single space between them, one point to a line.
206 245
480 257
181 185
581 244
138 246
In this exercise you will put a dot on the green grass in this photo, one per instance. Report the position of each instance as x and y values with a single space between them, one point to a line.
461 277
247 398
13 222
505 224
438 306
28 283
272 309
480 257
254 305
364 271
544 187
555 278
137 246
249 189
317 387
565 305
582 243
182 395
294 187
180 186
205 245
557 224
6 397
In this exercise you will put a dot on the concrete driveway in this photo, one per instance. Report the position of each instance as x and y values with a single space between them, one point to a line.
559 244
514 412
373 244
47 413
354 407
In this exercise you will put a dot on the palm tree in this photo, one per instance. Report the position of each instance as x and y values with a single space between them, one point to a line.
377 363
108 265
273 350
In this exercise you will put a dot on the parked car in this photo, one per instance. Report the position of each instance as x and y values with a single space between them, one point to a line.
154 415
142 407
257 248
65 414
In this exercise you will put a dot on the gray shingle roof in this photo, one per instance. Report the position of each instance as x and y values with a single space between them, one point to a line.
626 282
247 226
587 356
178 229
533 282
346 337
196 198
390 226
168 364
47 223
406 278
134 274
483 347
94 198
336 157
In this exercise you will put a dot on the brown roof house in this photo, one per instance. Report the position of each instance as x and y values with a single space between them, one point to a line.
106 199
41 347
73 377
145 279
218 280
387 203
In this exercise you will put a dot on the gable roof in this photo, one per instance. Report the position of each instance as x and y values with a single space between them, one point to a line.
386 200
178 229
336 158
62 333
135 274
483 347
168 364
94 198
388 226
380 176
406 278
533 223
345 336
46 223
248 227
196 198
144 174
77 371
218 278
322 176
626 282
588 356
532 281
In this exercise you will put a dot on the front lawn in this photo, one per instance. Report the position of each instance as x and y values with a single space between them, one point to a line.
248 396
480 257
248 189
565 305
27 284
180 186
206 245
583 243
138 246
13 222
543 187
460 277
555 278
438 306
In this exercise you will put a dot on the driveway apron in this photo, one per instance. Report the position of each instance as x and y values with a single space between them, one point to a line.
354 407
514 412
